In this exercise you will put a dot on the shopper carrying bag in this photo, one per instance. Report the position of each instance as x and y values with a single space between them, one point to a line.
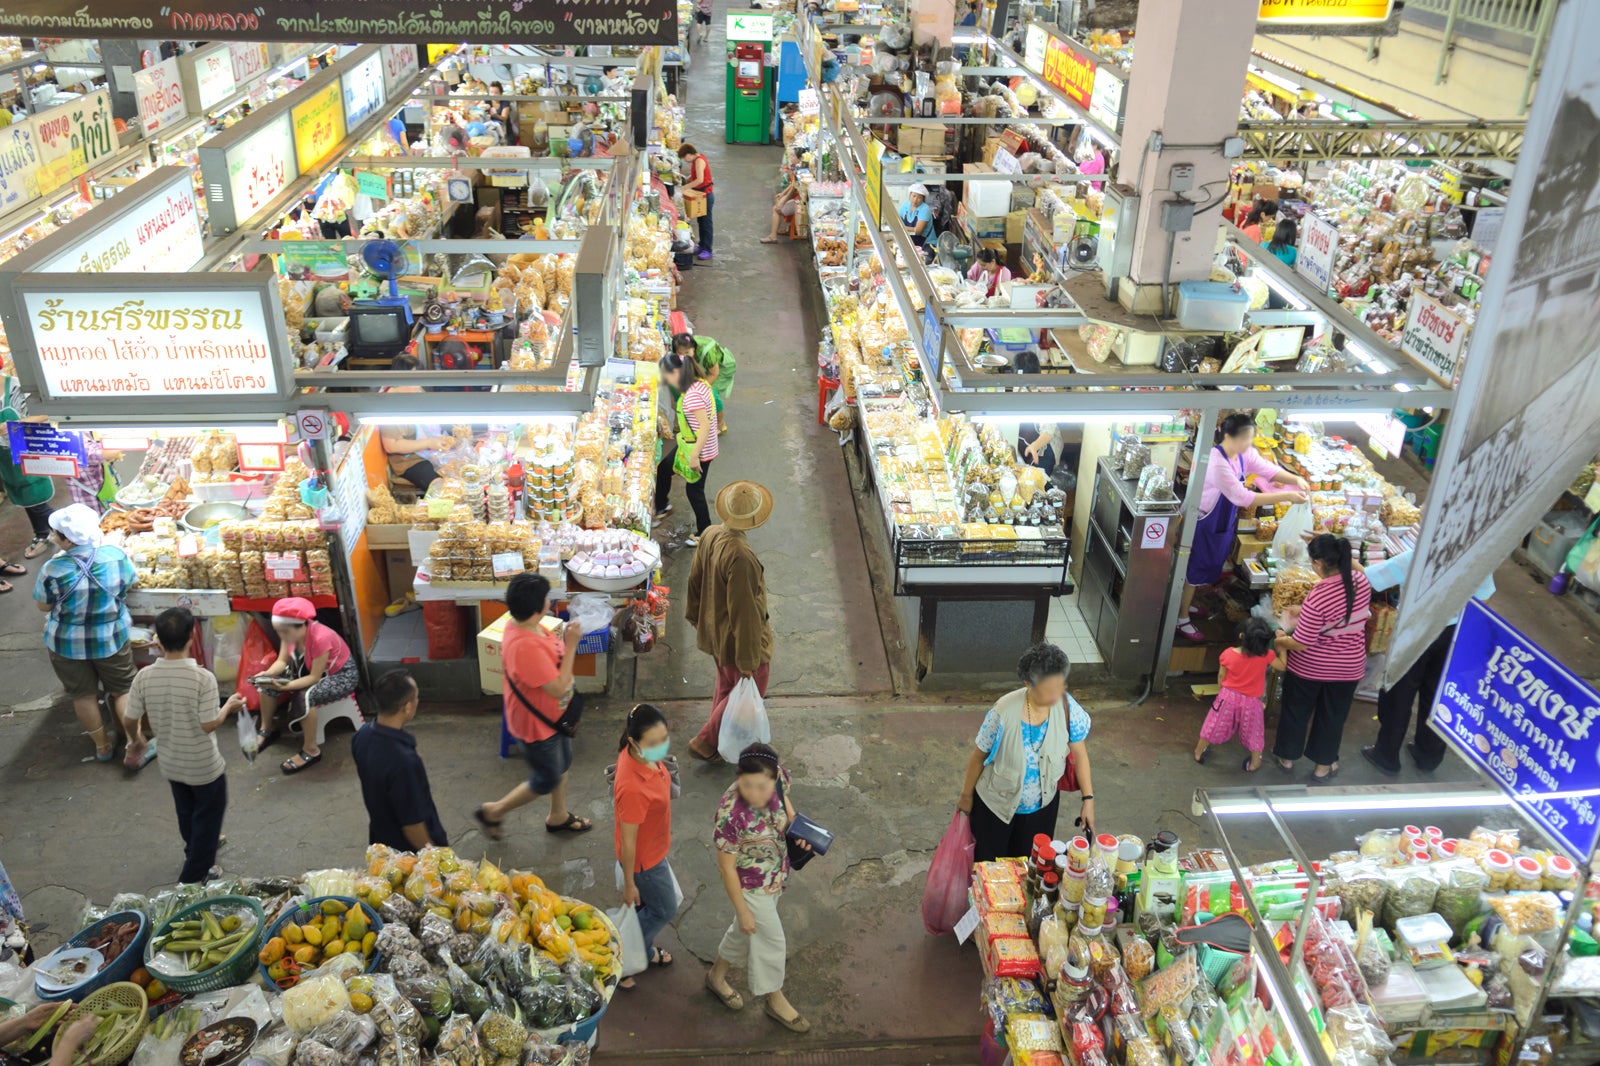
944 897
744 721
642 801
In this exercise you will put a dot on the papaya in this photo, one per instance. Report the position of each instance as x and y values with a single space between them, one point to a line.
353 948
330 929
333 947
334 906
305 955
293 934
275 950
313 934
368 942
355 926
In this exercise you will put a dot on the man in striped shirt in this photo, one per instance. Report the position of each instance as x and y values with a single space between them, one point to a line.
179 698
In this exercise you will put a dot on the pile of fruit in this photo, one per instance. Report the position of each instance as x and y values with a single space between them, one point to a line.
315 932
200 943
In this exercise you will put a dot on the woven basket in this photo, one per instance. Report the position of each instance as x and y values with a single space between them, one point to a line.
122 994
225 974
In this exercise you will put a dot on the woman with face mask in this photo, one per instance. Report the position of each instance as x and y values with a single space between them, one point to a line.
642 797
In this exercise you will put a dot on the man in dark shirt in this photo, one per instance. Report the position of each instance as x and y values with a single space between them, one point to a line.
394 784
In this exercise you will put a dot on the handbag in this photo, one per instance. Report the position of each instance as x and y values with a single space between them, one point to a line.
109 485
567 724
803 829
680 457
1069 777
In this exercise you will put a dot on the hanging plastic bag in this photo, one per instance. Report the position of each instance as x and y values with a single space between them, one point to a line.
944 899
249 738
258 655
744 721
590 612
634 955
1289 543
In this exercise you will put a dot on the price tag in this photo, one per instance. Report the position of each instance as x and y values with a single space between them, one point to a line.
968 922
507 564
188 546
440 507
424 575
283 566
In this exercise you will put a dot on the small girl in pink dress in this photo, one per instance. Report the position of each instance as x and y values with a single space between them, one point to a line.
1238 706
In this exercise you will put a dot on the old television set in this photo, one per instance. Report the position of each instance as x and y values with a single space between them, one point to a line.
377 333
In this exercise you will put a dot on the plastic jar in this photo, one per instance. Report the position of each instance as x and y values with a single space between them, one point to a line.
1560 874
1072 887
1108 846
1444 850
1094 913
1497 864
1421 857
1411 831
1078 855
1527 874
1433 832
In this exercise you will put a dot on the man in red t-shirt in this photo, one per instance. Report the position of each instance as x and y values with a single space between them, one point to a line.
538 688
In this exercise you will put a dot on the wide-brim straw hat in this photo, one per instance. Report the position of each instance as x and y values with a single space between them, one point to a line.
744 504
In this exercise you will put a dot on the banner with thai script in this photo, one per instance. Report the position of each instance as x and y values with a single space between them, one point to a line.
250 61
19 166
318 127
1069 70
159 93
260 166
1319 242
1528 722
159 233
480 22
72 138
399 63
1434 337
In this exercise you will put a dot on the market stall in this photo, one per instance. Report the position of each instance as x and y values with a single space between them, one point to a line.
409 954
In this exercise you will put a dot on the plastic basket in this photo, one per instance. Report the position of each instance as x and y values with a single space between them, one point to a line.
374 923
1215 962
596 643
122 994
119 969
224 975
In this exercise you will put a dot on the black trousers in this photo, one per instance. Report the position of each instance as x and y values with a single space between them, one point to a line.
200 810
1395 705
695 490
995 839
1311 722
39 518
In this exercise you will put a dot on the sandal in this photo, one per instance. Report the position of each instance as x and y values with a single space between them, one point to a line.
1247 768
104 756
490 829
263 739
797 1024
769 240
36 547
573 824
662 957
12 569
732 999
143 759
6 586
307 760
1201 757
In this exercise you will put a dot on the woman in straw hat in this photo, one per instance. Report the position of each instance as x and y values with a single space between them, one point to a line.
727 601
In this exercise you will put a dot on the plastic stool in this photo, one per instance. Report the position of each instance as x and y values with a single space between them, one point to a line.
346 708
824 386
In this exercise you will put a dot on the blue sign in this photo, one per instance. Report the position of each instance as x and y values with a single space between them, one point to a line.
41 438
932 331
1527 722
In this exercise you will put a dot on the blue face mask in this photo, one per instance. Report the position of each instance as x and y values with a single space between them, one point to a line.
656 752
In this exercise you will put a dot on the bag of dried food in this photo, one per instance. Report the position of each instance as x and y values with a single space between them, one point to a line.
1460 899
1412 890
1361 887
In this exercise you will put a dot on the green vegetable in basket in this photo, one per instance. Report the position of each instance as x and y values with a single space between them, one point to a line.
204 942
114 1025
22 1047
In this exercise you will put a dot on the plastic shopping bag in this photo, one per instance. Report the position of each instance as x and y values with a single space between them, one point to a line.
634 957
258 655
1289 543
944 899
249 736
744 721
677 889
590 612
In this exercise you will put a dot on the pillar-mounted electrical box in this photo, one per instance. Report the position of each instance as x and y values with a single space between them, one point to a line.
1118 222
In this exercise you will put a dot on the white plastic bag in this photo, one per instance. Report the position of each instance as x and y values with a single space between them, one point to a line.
634 957
1289 543
744 721
590 612
677 889
249 738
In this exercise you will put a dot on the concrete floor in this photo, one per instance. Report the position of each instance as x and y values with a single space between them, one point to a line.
880 768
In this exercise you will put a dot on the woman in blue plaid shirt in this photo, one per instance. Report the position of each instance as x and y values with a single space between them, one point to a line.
82 589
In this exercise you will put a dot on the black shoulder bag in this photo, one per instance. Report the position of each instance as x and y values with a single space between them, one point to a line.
567 724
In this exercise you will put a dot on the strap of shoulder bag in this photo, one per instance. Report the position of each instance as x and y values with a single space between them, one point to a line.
517 692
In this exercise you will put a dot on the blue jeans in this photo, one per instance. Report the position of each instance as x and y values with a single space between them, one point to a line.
658 902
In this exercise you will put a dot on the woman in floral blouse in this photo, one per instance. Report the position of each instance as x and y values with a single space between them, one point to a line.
752 857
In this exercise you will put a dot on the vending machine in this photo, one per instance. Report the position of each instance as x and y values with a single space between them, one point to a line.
751 82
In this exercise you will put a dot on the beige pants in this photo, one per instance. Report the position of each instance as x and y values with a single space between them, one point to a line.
763 954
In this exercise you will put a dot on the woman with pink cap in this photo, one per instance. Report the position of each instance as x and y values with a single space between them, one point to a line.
314 668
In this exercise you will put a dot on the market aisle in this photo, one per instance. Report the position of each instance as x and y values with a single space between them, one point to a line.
761 302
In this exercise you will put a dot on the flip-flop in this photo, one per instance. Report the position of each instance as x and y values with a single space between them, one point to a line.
662 958
104 756
144 760
6 586
490 829
733 1000
797 1024
288 765
769 240
13 569
36 547
1201 758
573 824
1246 766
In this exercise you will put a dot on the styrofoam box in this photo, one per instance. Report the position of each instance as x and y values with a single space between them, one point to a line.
1211 305
987 198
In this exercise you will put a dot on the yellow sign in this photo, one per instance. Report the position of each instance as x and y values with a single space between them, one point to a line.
1325 10
437 52
318 127
875 180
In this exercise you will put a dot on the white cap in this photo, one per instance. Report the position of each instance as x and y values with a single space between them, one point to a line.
919 189
78 523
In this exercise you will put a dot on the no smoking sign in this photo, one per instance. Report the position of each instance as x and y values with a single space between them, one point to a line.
1155 533
314 425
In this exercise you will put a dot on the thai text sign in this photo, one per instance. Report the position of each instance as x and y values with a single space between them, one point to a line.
363 89
261 165
399 63
72 138
1319 241
318 127
19 166
213 76
161 234
41 438
478 21
159 90
1324 10
249 61
123 338
1069 71
1526 721
1434 337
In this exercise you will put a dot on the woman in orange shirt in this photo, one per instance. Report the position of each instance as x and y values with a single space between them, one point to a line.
642 799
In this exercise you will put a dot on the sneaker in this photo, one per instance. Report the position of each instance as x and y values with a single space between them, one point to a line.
1188 632
1370 753
703 255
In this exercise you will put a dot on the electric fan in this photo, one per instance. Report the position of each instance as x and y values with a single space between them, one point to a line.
388 259
952 254
1084 253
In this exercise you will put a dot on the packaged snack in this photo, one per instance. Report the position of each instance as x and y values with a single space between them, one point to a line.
1508 840
1497 864
1560 874
1002 896
1379 843
1528 912
1014 958
1460 897
1036 1058
1032 1032
1412 890
1145 1052
1138 958
1361 887
1527 874
1000 924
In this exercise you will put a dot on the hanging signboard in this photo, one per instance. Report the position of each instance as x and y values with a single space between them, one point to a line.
874 185
154 227
262 167
19 166
750 25
494 22
159 91
1105 100
72 138
1529 723
1434 337
1033 48
318 127
249 61
208 76
399 63
1526 418
810 102
363 89
104 342
41 438
1319 241
316 260
371 183
1069 71
1275 11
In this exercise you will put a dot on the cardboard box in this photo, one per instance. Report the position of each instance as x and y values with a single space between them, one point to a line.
1014 226
921 138
491 674
988 227
990 147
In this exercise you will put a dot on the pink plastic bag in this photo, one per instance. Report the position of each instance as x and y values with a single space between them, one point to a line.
944 900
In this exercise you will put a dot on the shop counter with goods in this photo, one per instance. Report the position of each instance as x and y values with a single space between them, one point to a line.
409 958
1406 944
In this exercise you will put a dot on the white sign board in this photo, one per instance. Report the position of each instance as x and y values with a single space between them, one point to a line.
1034 47
249 61
72 138
1527 413
260 166
142 342
1006 163
810 102
1319 243
399 63
314 425
1154 534
213 76
749 26
19 166
363 90
161 234
159 91
1434 337
1387 433
1105 99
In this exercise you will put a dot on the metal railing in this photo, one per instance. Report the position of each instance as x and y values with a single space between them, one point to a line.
1512 16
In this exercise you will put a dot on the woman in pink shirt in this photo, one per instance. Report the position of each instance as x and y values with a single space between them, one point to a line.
1233 459
314 668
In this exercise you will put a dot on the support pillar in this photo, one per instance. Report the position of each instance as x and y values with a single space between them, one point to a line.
934 21
1192 60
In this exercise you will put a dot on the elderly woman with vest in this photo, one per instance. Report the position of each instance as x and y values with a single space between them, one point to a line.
1028 743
